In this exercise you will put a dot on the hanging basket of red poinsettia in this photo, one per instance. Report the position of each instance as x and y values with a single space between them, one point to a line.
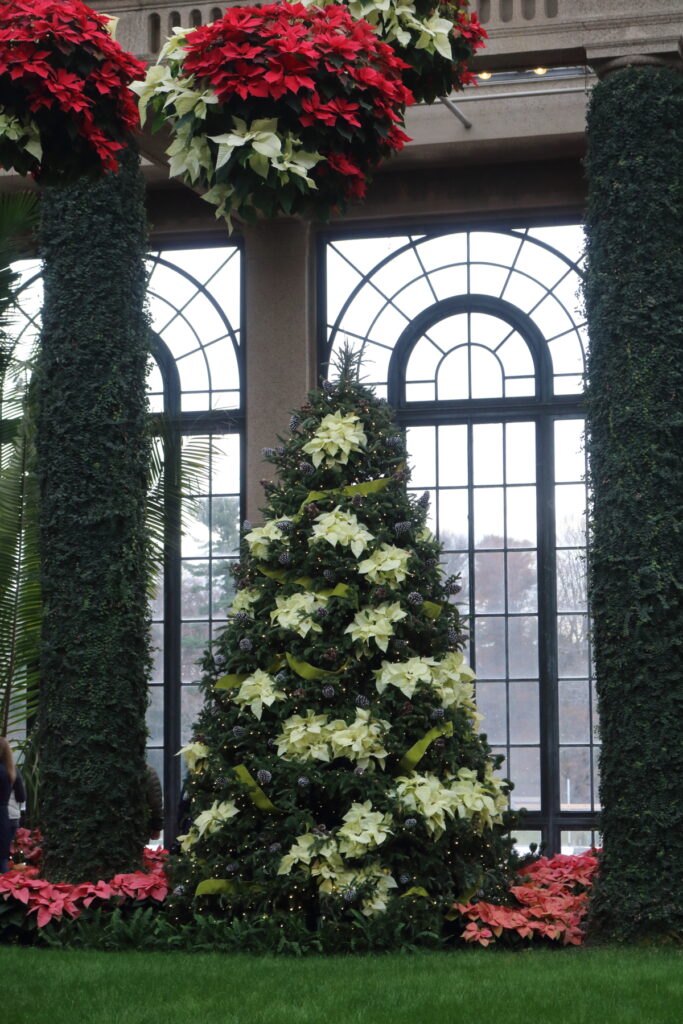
435 38
65 104
278 109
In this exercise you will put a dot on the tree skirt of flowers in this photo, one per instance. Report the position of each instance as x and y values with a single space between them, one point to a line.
436 40
65 103
22 889
550 903
278 109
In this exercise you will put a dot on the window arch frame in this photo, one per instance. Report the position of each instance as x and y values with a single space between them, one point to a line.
544 408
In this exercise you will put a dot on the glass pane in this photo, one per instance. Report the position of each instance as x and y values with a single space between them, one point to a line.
524 713
222 588
572 645
570 459
191 702
524 840
195 590
453 381
570 515
157 602
225 526
155 715
157 639
520 453
522 581
523 646
195 539
577 841
487 453
571 580
575 779
524 768
225 464
492 704
193 641
489 530
487 374
489 582
489 639
422 448
453 456
453 519
521 517
574 711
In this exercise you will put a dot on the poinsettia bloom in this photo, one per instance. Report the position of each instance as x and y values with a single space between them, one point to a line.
257 690
387 564
426 796
244 599
452 680
304 850
296 611
213 819
339 879
363 829
473 799
406 676
194 754
338 527
338 435
376 624
259 539
304 738
361 741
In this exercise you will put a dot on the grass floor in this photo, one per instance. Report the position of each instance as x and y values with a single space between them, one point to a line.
595 986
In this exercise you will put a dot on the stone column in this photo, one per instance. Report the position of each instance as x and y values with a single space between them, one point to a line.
280 343
634 306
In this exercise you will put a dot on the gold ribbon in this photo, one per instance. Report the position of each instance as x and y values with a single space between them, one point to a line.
418 750
367 487
230 682
256 794
416 890
306 671
217 886
431 609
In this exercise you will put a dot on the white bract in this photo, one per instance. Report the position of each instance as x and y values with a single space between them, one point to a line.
375 624
338 527
338 435
387 564
295 612
257 690
404 675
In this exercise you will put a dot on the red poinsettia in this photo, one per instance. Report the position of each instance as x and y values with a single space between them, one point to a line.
279 109
65 104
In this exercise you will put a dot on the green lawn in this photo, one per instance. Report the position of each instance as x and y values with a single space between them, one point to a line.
595 986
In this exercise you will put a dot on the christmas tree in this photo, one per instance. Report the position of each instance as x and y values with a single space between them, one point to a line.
337 778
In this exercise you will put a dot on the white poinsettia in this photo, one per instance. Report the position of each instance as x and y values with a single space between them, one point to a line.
305 849
361 740
363 829
338 435
426 796
259 539
387 564
304 738
338 527
257 690
483 801
188 840
452 681
214 817
194 753
243 600
404 675
339 879
24 132
296 611
375 624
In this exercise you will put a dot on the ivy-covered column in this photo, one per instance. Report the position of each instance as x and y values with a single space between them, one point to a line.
634 304
93 462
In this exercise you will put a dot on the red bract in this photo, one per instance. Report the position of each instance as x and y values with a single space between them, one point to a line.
65 106
551 903
293 96
52 901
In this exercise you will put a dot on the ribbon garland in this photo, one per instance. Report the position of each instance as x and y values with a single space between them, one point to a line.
412 757
367 487
431 609
256 794
306 671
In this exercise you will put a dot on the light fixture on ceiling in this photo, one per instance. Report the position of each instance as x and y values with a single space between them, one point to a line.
484 75
540 71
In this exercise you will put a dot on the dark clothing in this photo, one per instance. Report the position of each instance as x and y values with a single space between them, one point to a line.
5 789
155 801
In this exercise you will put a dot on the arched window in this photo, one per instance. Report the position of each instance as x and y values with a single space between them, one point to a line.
154 33
216 13
195 393
474 338
195 18
173 20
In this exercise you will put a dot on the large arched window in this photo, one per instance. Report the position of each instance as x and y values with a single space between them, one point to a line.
195 392
475 339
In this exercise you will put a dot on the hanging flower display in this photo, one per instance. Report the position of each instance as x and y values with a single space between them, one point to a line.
278 109
65 106
435 40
